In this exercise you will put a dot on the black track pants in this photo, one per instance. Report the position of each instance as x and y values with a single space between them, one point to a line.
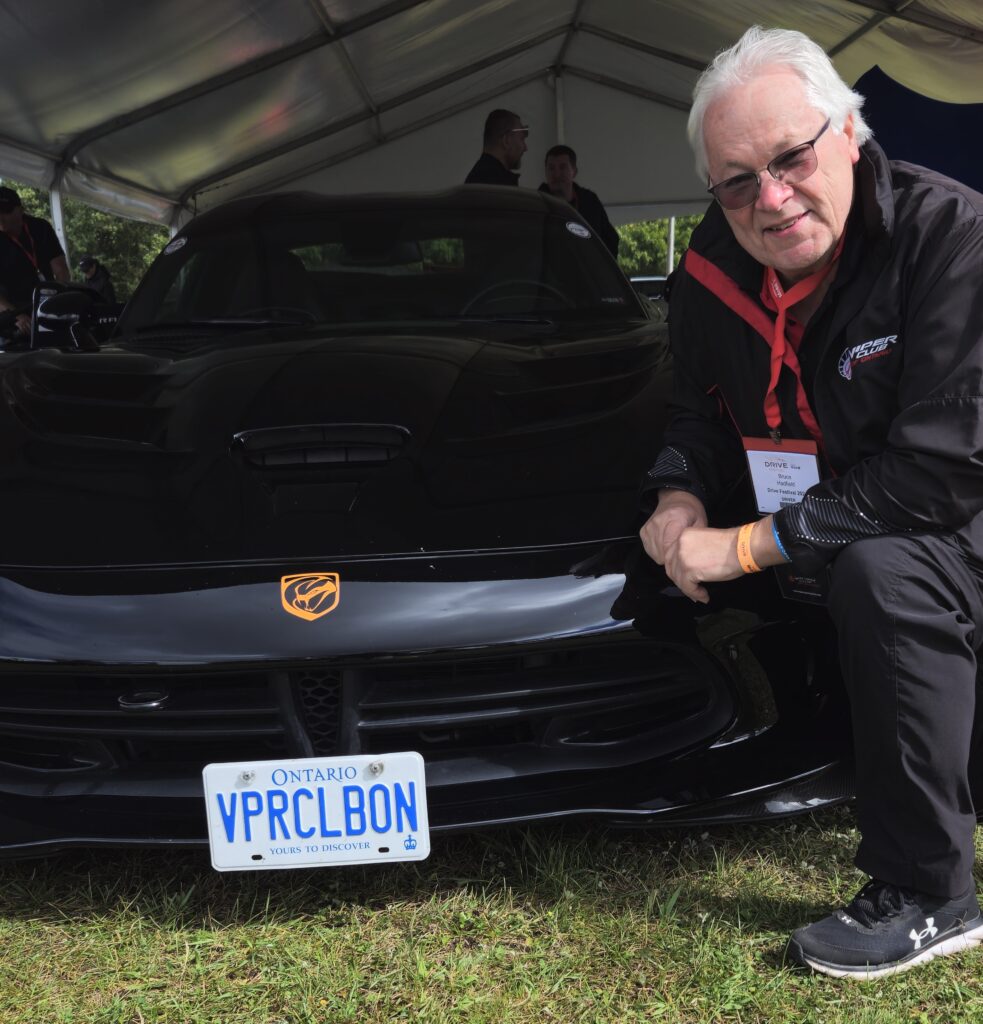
909 614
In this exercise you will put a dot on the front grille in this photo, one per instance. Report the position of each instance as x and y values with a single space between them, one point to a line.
599 699
75 720
320 703
544 707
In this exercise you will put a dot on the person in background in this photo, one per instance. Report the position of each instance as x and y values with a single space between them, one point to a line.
97 277
29 252
827 338
561 169
504 142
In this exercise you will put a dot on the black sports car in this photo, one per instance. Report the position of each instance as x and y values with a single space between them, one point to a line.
359 475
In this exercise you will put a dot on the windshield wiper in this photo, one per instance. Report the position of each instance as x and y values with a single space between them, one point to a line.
483 318
263 320
215 322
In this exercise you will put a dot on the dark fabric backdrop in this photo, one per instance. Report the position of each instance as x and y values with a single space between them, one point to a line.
947 137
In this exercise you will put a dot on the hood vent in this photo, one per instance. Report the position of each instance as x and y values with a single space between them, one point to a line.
320 445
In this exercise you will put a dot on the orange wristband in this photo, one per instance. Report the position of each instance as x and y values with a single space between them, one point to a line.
744 556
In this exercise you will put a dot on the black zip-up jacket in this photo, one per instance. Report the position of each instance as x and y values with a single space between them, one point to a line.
102 283
892 363
489 170
588 204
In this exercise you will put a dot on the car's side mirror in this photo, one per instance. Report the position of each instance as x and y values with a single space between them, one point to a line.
655 309
70 316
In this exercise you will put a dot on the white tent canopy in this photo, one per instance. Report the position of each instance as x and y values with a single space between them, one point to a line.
158 108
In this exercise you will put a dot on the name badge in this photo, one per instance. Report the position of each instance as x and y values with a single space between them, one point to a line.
781 471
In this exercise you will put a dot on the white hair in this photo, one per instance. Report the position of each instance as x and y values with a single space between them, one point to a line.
762 48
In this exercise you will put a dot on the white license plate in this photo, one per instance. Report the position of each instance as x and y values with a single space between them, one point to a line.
317 811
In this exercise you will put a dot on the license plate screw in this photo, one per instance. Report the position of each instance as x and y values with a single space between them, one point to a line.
375 768
247 776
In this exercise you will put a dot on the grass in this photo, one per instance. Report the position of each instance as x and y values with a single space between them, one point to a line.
572 924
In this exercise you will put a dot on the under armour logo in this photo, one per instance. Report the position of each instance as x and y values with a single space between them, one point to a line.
928 932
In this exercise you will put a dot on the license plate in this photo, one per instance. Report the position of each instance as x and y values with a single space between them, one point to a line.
317 811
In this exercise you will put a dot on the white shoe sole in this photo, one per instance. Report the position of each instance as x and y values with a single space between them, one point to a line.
955 944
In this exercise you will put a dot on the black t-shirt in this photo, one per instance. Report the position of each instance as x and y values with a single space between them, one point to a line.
26 259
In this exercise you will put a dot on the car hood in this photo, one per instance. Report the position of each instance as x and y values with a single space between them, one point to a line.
282 443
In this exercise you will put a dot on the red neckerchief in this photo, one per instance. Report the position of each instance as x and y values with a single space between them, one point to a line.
794 329
33 254
786 337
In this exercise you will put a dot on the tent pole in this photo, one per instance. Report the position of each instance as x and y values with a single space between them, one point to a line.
58 220
559 111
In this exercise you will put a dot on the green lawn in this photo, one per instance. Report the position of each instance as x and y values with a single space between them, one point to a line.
535 925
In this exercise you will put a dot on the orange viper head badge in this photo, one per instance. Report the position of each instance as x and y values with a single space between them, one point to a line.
309 595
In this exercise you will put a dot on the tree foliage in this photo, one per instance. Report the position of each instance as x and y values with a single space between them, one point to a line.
644 245
125 247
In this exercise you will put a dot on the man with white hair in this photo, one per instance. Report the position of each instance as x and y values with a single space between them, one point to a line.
827 329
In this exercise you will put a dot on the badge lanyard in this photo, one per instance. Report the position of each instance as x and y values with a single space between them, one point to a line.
782 470
33 254
782 353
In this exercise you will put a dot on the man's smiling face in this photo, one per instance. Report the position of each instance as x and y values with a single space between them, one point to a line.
793 228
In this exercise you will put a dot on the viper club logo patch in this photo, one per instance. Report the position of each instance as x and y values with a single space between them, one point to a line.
309 595
864 353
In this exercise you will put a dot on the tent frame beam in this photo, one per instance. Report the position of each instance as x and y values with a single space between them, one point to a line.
903 12
374 110
627 87
573 27
333 35
271 184
408 129
334 127
347 62
868 26
238 74
651 51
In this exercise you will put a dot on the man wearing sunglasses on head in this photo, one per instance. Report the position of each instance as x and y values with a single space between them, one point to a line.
827 329
504 142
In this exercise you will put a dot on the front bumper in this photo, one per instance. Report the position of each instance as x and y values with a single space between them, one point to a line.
527 699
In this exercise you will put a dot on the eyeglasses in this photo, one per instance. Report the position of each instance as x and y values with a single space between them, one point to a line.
792 166
518 131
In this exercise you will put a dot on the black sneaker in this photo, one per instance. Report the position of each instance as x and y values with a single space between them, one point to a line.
886 929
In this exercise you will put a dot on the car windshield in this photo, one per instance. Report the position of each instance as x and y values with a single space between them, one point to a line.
392 265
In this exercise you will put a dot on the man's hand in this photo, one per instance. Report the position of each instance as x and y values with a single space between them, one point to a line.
702 556
23 322
676 511
677 537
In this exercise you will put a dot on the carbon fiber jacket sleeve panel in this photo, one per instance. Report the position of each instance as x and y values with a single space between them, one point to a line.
816 528
672 469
